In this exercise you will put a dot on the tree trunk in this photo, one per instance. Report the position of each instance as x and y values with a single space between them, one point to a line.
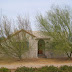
69 55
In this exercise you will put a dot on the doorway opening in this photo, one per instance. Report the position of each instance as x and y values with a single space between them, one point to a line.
41 47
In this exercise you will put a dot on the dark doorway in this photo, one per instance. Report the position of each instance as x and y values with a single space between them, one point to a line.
41 46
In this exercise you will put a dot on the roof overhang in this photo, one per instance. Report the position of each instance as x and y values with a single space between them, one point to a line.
42 38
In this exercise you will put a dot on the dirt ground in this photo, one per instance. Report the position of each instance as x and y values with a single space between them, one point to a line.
13 63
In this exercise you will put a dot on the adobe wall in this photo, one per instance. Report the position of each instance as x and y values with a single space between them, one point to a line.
33 49
51 53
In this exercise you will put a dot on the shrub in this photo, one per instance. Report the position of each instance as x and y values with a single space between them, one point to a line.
24 69
48 69
65 68
52 69
45 69
4 70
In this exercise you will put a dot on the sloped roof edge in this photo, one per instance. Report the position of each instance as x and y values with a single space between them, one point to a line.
24 31
17 33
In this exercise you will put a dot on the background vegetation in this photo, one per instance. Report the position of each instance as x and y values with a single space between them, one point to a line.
57 23
13 43
42 69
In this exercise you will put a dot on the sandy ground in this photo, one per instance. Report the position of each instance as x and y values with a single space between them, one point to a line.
13 63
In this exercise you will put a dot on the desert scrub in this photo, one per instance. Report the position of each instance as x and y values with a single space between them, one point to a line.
48 69
65 68
4 70
45 69
24 69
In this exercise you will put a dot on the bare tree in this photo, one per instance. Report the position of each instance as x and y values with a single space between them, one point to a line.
24 23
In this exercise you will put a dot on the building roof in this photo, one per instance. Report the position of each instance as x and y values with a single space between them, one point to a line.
37 34
17 33
23 31
41 35
43 38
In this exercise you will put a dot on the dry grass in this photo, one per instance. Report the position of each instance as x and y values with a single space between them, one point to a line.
14 63
35 60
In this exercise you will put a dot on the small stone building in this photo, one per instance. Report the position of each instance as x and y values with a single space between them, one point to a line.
37 43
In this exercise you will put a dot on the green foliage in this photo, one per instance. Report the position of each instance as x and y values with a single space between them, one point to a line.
48 69
24 69
45 69
42 69
16 39
4 70
65 69
16 46
57 24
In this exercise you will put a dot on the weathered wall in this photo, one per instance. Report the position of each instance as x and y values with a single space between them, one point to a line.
50 53
33 49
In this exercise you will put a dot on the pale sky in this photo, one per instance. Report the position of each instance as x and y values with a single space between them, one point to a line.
13 8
